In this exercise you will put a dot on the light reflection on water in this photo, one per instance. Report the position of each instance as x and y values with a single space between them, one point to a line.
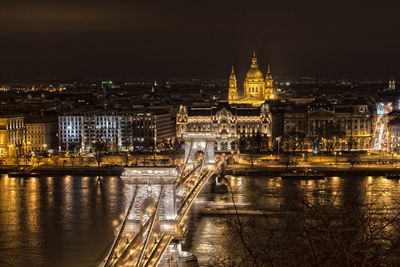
57 221
68 221
207 236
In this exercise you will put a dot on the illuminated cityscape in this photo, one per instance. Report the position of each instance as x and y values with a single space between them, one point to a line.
199 134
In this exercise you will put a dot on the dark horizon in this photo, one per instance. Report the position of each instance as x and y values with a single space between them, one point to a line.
126 41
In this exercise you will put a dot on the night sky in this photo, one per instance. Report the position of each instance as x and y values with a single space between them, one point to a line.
197 39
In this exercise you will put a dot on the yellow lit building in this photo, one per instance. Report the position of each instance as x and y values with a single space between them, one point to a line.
40 134
12 136
256 88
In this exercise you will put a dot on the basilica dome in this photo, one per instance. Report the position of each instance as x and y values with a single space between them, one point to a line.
254 73
256 87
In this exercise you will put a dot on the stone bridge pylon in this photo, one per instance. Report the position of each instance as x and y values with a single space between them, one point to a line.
145 184
199 142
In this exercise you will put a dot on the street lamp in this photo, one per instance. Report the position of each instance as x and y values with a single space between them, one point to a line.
155 146
278 139
28 147
10 146
335 157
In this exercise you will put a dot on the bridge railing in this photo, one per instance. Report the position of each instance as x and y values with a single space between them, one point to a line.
141 240
112 258
186 160
121 230
126 249
180 181
151 228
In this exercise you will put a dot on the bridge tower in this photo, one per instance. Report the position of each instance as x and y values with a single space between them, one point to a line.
145 184
199 142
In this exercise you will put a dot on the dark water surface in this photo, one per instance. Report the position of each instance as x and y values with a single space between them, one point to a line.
57 221
68 221
208 239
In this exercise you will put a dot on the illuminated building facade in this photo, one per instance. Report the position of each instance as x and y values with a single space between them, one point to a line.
81 132
228 122
40 135
392 84
394 133
12 135
121 131
354 118
151 128
256 89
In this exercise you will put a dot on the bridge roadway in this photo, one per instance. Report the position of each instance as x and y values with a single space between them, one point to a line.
146 247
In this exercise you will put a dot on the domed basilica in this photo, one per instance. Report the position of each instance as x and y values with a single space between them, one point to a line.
256 88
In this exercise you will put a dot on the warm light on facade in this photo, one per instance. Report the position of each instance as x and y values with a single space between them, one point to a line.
256 88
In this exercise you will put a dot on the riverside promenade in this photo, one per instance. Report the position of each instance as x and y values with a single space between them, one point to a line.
340 170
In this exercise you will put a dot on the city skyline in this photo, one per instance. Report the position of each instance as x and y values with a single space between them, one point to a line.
75 40
211 133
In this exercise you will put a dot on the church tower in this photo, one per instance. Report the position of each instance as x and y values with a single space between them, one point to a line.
232 87
254 83
392 84
256 87
269 85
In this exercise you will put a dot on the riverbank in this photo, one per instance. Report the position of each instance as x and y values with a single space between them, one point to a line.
235 169
53 171
242 169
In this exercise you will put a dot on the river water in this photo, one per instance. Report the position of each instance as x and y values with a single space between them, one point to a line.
68 221
57 221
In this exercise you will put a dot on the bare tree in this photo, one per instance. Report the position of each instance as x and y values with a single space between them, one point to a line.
56 159
287 159
350 142
252 145
164 161
353 158
72 159
81 160
293 141
331 133
100 149
125 158
313 231
127 143
38 158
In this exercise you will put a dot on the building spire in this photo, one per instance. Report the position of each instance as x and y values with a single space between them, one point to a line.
392 83
233 76
254 60
232 87
269 69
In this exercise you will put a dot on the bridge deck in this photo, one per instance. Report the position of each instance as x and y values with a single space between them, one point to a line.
147 247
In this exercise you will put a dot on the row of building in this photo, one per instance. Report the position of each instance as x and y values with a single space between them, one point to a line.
276 121
282 120
273 121
120 130
79 131
258 112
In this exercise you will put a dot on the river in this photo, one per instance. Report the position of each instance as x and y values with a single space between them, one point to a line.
57 221
68 221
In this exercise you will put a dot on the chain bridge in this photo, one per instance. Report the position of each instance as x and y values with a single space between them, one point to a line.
159 199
